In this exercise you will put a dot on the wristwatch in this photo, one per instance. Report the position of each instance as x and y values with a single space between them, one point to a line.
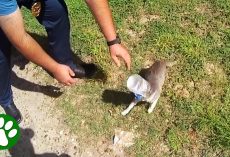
115 41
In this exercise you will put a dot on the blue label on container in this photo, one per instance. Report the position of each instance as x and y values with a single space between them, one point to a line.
138 97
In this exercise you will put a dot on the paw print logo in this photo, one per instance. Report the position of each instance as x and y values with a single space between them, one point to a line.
9 132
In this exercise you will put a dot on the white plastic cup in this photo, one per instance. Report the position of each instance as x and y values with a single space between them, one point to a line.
138 85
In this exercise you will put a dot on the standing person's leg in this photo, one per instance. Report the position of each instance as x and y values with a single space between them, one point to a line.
6 97
54 17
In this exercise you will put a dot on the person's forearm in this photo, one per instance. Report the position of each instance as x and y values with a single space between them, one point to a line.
102 13
103 16
33 52
13 27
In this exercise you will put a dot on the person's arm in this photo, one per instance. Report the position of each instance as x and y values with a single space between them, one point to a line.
103 16
13 27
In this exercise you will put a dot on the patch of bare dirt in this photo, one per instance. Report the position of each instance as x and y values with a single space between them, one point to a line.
115 77
181 91
144 19
162 149
131 33
148 18
148 60
214 69
44 132
203 8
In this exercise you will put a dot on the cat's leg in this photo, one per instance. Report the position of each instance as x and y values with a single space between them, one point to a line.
126 111
153 104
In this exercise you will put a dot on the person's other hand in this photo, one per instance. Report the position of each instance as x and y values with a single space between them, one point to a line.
118 51
63 74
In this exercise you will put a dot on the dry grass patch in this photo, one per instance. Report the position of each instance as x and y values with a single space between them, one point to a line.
203 8
215 70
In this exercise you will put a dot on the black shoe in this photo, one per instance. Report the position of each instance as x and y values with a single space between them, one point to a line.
14 112
90 70
85 71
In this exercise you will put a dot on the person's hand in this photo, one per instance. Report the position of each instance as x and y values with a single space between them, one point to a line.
63 74
118 51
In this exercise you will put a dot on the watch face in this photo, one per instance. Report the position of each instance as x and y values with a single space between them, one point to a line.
36 9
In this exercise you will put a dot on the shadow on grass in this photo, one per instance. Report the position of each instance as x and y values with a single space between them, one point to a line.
23 84
122 98
24 147
94 72
117 97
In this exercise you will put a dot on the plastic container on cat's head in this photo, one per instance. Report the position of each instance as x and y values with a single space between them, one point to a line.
138 85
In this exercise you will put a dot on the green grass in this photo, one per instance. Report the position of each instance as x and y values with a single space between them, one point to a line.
196 34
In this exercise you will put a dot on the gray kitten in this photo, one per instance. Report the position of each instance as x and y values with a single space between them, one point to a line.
155 76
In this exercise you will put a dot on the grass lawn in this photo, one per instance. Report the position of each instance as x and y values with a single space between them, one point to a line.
192 117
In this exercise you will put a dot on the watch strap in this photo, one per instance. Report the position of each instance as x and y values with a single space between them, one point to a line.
115 41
